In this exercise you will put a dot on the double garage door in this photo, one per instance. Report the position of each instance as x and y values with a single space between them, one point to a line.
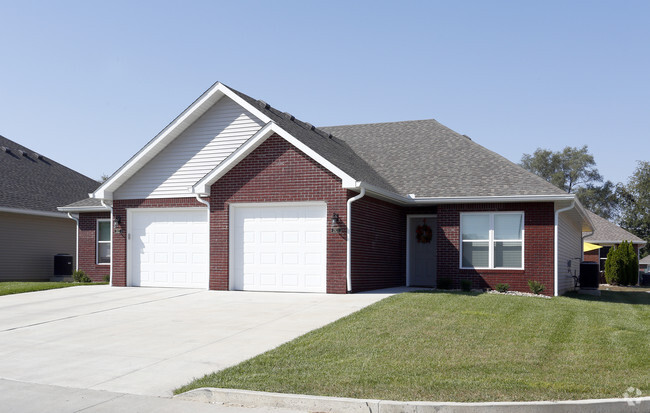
272 248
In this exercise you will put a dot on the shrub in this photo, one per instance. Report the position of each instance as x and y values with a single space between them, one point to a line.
535 286
612 264
107 278
444 284
502 287
466 285
632 265
80 277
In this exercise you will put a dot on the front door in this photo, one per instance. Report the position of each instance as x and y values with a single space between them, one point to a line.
421 244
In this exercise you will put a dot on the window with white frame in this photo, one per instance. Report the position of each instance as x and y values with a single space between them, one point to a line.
492 240
103 241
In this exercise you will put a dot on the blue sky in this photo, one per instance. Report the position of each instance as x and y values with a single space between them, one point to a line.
88 83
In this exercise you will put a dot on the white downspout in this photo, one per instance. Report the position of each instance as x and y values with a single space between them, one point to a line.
206 203
348 263
556 276
111 269
76 253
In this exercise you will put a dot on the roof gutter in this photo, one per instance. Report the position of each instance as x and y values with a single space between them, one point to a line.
414 200
556 277
111 269
348 262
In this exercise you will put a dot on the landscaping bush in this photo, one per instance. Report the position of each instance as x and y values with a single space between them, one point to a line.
621 266
80 277
466 285
612 264
632 267
444 284
535 287
107 278
502 287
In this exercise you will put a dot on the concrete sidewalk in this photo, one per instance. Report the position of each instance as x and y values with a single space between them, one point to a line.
17 397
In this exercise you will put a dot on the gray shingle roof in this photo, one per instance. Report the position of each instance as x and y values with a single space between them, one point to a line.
645 260
28 181
426 158
87 202
422 157
605 231
331 148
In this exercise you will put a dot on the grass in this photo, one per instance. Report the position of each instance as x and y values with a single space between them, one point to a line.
17 287
463 347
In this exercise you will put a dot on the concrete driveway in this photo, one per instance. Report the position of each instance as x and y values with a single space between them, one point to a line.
149 341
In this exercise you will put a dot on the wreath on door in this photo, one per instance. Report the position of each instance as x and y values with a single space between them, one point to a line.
423 233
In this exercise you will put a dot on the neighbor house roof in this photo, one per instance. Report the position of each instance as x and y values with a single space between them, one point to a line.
645 260
606 232
32 182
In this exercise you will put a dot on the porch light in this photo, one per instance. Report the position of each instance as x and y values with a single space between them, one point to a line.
116 224
337 225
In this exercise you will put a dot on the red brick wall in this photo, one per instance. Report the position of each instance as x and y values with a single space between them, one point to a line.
538 247
276 172
378 244
592 256
88 246
119 240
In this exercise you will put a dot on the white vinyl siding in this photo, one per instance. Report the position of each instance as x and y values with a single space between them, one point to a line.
569 248
492 240
194 153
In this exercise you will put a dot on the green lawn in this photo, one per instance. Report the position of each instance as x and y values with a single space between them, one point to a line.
17 287
463 347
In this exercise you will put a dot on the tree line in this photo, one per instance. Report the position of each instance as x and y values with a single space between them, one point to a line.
574 171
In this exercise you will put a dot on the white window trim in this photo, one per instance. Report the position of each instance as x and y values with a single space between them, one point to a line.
491 241
97 242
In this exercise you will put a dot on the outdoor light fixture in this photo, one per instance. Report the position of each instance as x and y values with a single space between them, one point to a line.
116 225
337 225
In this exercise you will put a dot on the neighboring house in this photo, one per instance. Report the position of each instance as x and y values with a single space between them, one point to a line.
606 235
235 194
32 231
644 264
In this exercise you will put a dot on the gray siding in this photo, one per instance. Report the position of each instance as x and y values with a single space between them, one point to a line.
28 244
569 248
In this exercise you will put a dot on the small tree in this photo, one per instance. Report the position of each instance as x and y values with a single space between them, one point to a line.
612 273
632 265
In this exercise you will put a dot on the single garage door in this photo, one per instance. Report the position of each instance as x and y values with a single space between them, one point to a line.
169 248
279 248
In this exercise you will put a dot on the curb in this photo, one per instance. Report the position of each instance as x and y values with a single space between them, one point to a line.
319 404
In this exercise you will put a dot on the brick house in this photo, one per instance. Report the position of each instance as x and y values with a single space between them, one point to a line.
235 194
606 235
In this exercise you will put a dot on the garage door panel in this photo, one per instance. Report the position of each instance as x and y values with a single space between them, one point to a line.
276 248
169 248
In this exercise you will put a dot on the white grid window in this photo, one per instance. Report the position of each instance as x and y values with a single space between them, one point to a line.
103 241
492 240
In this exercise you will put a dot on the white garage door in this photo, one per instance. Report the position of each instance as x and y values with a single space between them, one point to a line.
279 248
169 248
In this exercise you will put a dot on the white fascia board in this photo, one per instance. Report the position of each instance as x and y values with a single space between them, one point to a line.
414 200
169 133
203 186
485 199
98 208
34 212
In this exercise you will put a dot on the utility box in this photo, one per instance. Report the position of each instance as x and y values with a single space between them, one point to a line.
62 265
589 275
